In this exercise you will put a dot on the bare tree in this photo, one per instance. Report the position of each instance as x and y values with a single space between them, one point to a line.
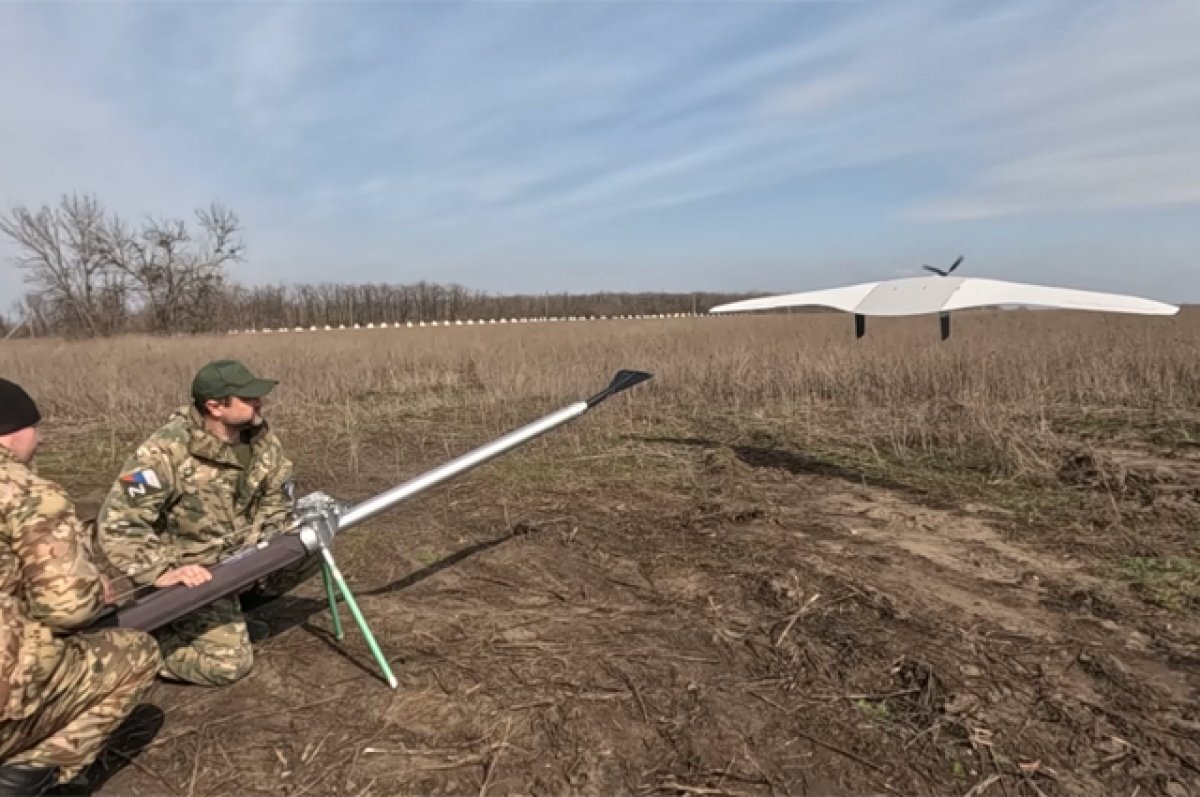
179 280
33 311
61 249
96 274
305 305
89 272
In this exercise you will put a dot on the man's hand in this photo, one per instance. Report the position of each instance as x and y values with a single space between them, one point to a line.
109 596
188 575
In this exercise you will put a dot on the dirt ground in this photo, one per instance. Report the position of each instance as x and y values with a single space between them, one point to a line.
691 616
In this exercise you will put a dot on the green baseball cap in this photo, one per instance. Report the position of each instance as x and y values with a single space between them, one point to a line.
223 378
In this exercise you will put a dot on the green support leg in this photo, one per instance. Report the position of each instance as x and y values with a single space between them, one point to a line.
358 618
332 596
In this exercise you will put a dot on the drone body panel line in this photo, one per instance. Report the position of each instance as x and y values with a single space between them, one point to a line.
909 296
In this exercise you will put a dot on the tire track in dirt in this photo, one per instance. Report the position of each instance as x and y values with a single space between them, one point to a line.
955 564
1033 633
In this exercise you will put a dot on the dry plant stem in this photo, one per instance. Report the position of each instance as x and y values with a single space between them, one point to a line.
965 510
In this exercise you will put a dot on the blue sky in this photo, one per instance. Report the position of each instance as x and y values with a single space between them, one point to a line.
531 146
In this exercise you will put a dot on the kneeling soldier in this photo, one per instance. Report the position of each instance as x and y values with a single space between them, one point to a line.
61 697
212 481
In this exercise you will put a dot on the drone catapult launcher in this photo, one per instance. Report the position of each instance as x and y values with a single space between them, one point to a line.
319 519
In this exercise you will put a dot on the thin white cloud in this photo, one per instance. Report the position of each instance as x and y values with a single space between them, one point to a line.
448 132
814 96
267 59
1103 116
60 137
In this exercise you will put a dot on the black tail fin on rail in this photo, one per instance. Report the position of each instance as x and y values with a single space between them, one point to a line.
622 381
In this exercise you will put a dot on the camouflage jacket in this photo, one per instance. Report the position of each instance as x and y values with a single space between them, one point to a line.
47 581
184 498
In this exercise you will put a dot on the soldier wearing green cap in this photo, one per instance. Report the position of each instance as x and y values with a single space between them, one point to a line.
213 480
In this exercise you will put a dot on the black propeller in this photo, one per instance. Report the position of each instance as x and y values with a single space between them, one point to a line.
944 317
947 272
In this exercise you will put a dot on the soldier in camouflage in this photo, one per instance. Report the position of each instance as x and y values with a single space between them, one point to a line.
61 697
212 481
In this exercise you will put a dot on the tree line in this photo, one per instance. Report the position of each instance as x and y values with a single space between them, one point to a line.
91 273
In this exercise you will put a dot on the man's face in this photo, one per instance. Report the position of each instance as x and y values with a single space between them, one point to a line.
22 444
236 412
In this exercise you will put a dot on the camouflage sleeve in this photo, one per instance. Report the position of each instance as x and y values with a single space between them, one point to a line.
127 527
276 507
62 585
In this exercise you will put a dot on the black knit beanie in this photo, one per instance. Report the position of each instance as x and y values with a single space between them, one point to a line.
17 409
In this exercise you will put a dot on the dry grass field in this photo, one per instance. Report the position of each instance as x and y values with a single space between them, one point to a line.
792 563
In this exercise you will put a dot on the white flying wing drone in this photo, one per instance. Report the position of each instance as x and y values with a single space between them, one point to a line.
943 293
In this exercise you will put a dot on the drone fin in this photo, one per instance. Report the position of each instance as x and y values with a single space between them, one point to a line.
860 325
944 319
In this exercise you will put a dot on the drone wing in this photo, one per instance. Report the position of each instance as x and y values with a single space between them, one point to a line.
942 294
846 299
921 295
979 292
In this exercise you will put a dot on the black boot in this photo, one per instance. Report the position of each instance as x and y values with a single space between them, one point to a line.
79 786
26 781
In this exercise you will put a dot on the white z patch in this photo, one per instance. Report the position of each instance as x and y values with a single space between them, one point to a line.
140 482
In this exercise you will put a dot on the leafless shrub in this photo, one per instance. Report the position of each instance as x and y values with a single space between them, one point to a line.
94 274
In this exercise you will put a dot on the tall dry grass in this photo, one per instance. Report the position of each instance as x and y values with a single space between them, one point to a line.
993 397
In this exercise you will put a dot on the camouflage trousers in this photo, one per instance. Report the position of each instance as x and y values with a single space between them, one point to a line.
92 682
211 646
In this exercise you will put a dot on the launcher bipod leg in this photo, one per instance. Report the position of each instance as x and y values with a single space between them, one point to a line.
330 572
331 596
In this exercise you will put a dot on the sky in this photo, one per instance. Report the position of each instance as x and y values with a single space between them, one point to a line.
557 146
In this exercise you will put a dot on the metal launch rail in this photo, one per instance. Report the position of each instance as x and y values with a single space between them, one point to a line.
319 519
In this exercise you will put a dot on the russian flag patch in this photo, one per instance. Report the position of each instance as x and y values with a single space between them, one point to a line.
140 482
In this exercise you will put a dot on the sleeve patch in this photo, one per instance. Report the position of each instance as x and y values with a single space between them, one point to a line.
141 482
